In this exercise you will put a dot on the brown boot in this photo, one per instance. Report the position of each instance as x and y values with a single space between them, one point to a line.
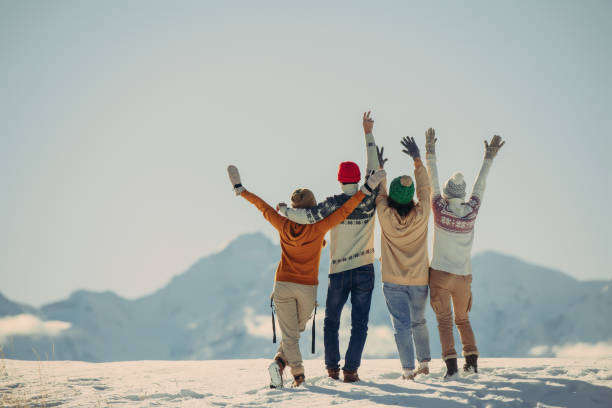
350 376
423 368
298 379
333 373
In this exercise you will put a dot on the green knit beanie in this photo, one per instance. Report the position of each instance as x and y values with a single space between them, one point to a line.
401 189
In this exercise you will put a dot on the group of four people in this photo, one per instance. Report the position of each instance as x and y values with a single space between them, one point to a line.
407 274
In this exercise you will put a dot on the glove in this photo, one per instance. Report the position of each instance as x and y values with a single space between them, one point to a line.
373 182
412 149
282 208
492 149
381 159
430 141
234 176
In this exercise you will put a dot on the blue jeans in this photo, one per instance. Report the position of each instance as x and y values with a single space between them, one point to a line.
359 283
407 307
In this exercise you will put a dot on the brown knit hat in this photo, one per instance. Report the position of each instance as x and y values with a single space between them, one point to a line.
303 198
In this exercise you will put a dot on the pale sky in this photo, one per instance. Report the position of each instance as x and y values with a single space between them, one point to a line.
118 120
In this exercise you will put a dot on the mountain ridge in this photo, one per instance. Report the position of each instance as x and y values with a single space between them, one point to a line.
219 308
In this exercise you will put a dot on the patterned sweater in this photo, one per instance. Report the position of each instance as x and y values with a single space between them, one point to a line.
301 244
352 241
454 222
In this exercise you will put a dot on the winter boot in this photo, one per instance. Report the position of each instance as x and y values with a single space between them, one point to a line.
409 374
423 368
298 379
471 363
333 373
451 367
350 376
276 369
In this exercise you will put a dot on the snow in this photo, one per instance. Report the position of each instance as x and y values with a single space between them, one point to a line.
501 382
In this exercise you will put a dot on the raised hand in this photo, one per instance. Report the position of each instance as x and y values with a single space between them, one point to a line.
234 176
373 181
430 140
381 160
411 148
492 149
368 122
282 208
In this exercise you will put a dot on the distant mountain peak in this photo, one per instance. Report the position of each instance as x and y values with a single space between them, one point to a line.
249 242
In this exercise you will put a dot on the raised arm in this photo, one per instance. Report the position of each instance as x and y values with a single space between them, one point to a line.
423 187
490 153
372 163
382 197
347 208
430 158
268 212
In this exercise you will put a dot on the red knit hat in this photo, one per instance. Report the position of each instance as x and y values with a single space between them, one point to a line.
348 172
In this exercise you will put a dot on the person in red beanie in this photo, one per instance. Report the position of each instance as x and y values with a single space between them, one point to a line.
351 269
348 172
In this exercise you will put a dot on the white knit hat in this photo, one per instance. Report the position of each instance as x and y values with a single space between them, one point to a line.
454 186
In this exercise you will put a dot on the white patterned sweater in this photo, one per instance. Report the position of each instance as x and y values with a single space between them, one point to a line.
352 241
454 222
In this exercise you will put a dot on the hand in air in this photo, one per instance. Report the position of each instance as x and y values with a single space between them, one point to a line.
492 149
410 147
381 159
234 176
368 122
430 140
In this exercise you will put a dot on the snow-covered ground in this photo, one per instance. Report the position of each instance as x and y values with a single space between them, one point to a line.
500 383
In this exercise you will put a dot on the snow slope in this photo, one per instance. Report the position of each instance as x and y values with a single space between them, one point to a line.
244 383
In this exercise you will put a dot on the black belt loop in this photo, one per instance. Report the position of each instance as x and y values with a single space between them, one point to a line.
273 323
313 328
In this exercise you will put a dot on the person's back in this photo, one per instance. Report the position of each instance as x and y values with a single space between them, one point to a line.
454 222
405 262
451 267
351 270
296 278
404 255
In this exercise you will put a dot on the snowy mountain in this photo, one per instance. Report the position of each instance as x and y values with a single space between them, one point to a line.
219 309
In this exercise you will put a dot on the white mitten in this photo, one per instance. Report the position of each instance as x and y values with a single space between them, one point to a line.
282 208
373 181
492 149
234 176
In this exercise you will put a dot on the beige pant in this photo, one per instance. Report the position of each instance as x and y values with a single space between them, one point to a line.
294 305
445 287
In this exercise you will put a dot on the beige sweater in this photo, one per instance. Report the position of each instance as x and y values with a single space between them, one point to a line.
405 260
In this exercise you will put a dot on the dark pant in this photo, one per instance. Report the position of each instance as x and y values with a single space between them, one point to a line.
359 283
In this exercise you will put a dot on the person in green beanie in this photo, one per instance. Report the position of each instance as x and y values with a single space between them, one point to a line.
404 260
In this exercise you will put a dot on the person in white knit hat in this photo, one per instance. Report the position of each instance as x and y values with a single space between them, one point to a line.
450 273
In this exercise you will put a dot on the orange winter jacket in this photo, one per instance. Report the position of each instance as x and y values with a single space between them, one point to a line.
301 244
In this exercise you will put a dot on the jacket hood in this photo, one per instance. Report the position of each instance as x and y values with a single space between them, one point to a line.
294 233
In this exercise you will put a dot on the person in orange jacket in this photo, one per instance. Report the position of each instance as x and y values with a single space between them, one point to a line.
296 278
